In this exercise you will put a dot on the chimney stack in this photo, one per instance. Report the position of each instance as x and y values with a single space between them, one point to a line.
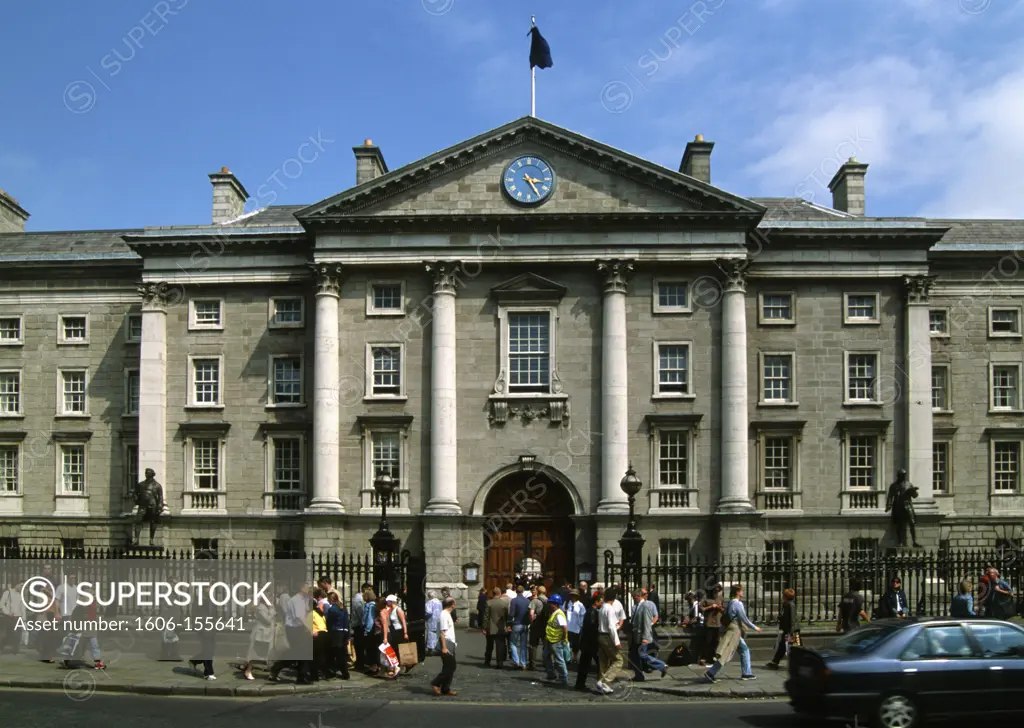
12 215
697 159
369 162
228 196
847 187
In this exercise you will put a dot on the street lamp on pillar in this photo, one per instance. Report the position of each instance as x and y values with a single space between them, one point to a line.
631 543
385 544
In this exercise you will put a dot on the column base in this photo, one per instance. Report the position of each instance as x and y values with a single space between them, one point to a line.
442 507
325 505
735 505
613 506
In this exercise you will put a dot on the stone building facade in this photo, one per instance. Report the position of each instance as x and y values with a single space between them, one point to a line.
765 365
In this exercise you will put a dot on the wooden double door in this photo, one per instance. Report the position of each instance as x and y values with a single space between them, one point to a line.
549 541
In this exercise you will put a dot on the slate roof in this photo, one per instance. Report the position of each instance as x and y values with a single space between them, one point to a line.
66 245
796 208
966 235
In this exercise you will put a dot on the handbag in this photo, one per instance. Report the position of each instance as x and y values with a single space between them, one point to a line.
408 655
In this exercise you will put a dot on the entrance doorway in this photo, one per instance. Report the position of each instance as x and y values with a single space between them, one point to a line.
529 530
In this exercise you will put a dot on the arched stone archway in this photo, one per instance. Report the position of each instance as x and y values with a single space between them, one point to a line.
528 531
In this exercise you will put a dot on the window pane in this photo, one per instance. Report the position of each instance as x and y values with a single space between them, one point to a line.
1004 387
673 557
860 307
8 468
777 307
387 297
862 375
778 372
938 322
131 468
529 342
206 464
135 327
10 393
74 392
939 643
940 388
287 311
386 456
1004 321
862 462
73 468
940 467
387 366
207 313
777 451
74 328
287 380
207 381
10 329
673 454
672 295
1006 466
132 405
287 463
673 368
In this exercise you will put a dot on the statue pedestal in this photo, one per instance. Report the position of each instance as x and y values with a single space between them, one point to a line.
144 552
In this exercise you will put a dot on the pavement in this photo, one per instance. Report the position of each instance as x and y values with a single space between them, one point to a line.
31 709
128 673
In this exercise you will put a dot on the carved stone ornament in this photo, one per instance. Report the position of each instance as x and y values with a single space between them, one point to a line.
555 411
160 295
327 277
499 383
446 276
735 272
615 273
918 288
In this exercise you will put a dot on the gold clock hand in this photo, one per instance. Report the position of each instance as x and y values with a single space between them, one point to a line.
529 181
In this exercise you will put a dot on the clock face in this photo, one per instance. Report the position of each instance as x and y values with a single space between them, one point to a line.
528 181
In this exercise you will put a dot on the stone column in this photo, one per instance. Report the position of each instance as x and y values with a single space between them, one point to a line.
919 390
444 466
735 496
614 387
326 400
153 383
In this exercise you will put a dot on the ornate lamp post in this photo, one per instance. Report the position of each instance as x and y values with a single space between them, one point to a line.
631 543
385 544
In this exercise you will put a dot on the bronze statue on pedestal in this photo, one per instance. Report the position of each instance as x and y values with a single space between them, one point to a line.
149 502
901 504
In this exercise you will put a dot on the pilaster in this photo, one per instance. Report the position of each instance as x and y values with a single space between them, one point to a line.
153 383
919 395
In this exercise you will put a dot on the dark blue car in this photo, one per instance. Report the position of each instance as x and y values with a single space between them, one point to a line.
896 673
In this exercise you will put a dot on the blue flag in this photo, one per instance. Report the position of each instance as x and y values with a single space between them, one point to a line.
540 51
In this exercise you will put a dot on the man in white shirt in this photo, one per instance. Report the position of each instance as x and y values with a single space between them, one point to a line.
442 684
510 592
575 612
608 643
300 640
11 609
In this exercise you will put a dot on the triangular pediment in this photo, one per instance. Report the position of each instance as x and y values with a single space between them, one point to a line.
591 179
528 287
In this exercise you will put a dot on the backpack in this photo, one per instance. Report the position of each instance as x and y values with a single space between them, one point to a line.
680 657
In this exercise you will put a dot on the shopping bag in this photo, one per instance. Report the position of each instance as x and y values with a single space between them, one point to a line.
69 645
352 654
408 655
389 655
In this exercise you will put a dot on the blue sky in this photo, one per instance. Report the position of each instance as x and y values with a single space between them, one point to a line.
115 112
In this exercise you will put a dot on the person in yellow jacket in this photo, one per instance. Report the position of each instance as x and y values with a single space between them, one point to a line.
556 641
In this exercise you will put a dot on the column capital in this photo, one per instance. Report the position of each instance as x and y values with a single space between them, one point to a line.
328 278
735 272
445 275
158 295
918 288
616 273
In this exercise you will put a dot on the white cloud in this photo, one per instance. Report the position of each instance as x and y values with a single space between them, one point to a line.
923 125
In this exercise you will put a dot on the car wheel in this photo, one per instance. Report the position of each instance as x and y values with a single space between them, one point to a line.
897 711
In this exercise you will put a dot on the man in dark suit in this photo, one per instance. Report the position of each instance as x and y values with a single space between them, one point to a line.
496 628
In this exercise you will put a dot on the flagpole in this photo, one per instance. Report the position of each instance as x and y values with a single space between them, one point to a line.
533 77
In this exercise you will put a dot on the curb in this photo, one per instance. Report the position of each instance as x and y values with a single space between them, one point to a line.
710 692
221 691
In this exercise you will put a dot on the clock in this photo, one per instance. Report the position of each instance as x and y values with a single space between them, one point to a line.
528 181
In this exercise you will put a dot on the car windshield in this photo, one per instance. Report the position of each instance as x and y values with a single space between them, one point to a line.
863 639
